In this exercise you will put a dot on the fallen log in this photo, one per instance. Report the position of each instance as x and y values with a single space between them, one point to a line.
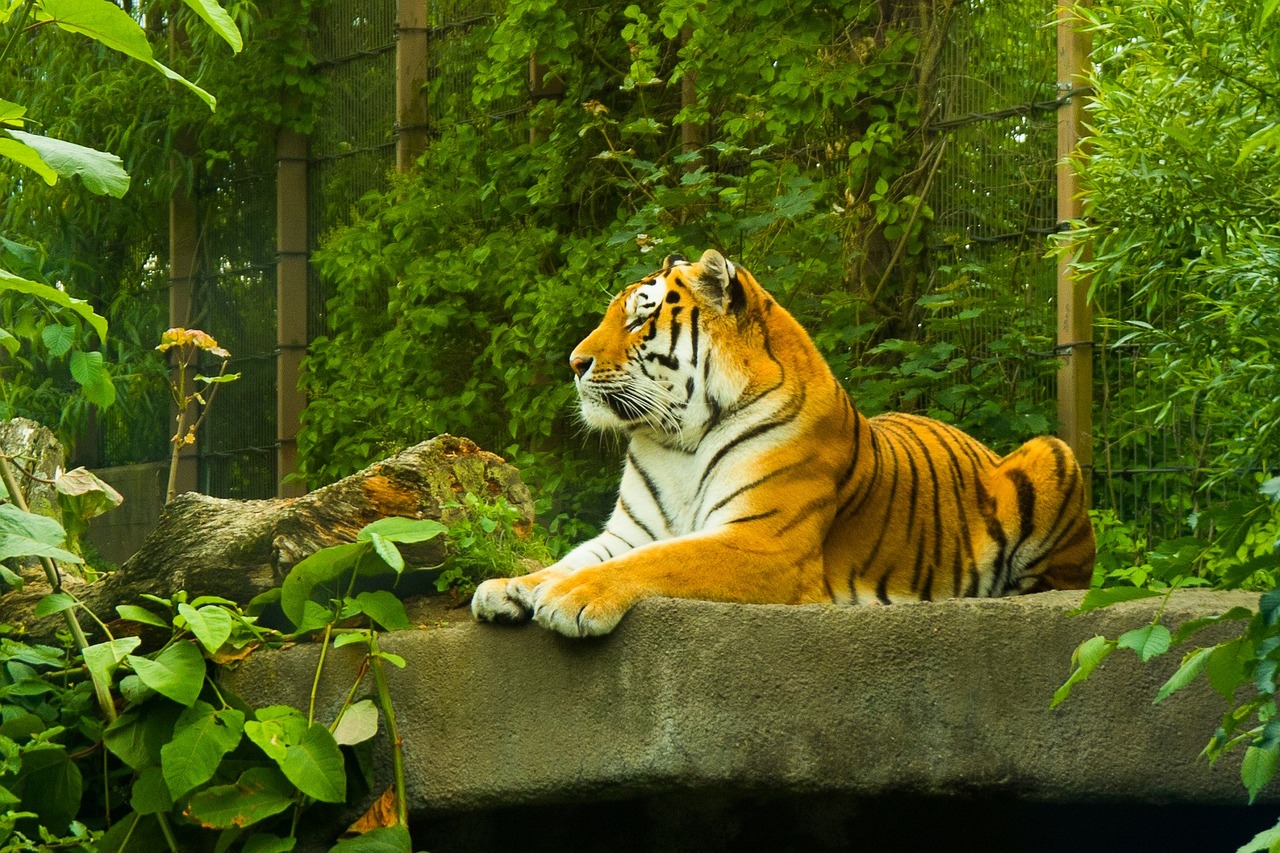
237 549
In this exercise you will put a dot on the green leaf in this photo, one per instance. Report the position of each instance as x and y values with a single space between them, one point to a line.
9 281
54 602
211 624
357 724
384 839
1086 658
1192 665
1258 767
384 608
1095 599
101 172
397 529
177 672
315 766
150 794
27 534
134 613
1225 670
1148 641
138 735
317 574
51 785
1264 840
265 842
276 728
201 737
88 369
1191 626
390 555
103 658
218 19
112 26
24 155
259 793
58 338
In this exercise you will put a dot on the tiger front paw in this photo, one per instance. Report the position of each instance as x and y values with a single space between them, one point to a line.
492 603
581 605
512 600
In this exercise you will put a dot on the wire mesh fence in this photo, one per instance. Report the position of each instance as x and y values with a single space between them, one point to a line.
235 301
992 286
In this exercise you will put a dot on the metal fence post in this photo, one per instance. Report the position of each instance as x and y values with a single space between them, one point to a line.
291 302
1075 314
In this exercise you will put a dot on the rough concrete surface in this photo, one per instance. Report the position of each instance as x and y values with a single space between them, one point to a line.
945 698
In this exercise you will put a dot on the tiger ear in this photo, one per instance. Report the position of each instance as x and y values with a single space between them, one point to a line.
717 282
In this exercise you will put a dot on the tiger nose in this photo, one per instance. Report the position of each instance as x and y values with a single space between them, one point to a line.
580 364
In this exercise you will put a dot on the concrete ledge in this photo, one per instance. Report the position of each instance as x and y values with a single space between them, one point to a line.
946 698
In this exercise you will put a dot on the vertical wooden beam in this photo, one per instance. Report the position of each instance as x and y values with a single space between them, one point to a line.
1075 314
183 271
412 120
291 302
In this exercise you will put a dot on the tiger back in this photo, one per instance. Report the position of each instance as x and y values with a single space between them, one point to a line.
750 476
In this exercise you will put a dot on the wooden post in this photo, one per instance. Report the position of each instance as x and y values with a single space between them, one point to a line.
183 270
412 119
291 302
1075 314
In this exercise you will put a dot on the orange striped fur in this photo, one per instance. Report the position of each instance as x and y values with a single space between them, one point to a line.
750 477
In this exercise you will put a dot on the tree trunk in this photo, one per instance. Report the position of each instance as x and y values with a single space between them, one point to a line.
237 549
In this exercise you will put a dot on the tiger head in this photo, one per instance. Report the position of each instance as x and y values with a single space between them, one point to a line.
674 351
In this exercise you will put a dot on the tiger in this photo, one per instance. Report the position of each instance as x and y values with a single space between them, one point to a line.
750 477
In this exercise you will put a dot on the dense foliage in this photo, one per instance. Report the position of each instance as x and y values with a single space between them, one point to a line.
786 135
110 251
1182 180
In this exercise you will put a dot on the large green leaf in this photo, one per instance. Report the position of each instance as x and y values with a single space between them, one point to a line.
103 658
9 281
1098 598
101 172
50 785
259 793
318 574
112 26
397 529
25 155
29 526
357 724
1148 641
88 369
138 735
1258 767
150 792
218 19
177 672
384 608
200 738
1192 665
315 765
276 728
211 624
384 839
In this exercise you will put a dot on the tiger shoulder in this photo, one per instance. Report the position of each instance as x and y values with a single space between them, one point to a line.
751 477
